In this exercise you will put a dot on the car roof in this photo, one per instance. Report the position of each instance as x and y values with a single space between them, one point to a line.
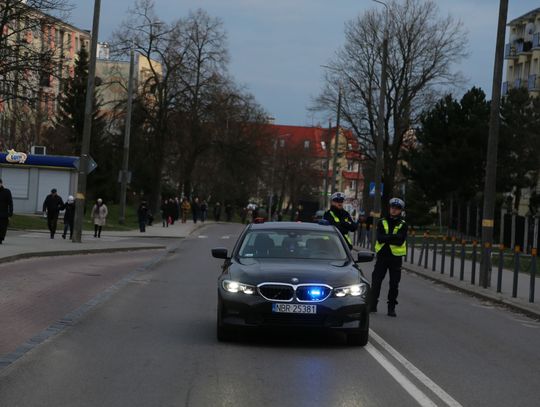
291 226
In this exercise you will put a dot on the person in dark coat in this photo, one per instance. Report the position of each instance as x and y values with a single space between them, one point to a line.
217 211
6 210
340 218
204 210
142 215
196 210
228 212
69 216
52 206
164 213
171 210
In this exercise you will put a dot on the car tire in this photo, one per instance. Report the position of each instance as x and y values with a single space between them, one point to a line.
359 338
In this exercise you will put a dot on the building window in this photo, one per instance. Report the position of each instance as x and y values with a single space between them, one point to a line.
349 146
282 142
350 165
323 145
306 144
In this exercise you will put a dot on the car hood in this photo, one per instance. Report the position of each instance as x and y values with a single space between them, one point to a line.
333 273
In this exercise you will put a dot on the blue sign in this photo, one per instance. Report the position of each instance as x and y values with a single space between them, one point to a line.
372 189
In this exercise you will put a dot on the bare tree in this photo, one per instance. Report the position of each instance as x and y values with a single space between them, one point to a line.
422 49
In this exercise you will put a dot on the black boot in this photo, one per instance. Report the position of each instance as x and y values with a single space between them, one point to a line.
392 310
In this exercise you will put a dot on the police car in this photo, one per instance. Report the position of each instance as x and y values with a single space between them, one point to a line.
294 275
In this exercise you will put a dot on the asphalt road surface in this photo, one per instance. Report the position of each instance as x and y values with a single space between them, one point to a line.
153 343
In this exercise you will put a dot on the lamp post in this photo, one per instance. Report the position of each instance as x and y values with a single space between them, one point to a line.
491 163
87 130
380 127
336 143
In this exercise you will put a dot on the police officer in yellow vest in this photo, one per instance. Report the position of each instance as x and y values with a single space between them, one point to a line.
390 247
340 218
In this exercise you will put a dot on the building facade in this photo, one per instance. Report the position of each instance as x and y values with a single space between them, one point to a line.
42 52
522 55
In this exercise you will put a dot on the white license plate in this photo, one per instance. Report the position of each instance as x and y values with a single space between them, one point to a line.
294 308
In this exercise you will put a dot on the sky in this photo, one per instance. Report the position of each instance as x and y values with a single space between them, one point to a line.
277 47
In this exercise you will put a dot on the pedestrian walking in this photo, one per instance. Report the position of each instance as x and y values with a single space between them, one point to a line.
171 211
204 210
69 216
6 210
391 247
228 212
186 208
340 218
217 211
164 213
52 206
176 209
99 215
196 209
142 215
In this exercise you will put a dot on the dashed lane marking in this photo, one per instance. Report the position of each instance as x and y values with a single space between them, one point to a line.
202 237
226 237
426 381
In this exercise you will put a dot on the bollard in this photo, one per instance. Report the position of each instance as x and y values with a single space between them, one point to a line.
422 250
533 274
443 254
501 266
434 265
516 271
473 271
462 269
412 246
452 256
426 255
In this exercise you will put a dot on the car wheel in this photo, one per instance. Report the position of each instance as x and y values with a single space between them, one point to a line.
359 338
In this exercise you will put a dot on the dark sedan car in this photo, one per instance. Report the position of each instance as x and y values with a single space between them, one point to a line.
285 274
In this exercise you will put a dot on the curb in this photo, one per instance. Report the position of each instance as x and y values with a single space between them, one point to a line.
29 255
480 293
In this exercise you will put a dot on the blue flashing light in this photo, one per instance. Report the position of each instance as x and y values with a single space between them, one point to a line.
315 293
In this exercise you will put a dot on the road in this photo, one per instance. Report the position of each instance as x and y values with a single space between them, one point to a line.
152 343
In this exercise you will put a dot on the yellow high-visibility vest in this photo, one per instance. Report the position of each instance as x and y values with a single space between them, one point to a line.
336 219
396 250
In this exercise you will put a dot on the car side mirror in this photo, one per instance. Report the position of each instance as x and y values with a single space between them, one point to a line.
365 257
220 253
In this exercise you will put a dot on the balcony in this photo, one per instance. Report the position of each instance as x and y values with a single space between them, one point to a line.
510 51
532 83
536 41
518 83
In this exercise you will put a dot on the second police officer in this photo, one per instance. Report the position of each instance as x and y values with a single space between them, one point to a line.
340 218
391 246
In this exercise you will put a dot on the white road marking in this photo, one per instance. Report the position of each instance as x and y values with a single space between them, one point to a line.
202 237
426 381
409 387
225 237
531 326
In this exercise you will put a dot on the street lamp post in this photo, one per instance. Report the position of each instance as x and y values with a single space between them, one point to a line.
87 129
380 127
336 143
491 163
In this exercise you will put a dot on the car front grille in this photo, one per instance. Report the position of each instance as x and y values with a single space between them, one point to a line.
275 292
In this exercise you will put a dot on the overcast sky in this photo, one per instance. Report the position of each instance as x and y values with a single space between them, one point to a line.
277 46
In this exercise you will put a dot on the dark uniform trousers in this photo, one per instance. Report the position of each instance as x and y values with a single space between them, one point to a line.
3 228
393 265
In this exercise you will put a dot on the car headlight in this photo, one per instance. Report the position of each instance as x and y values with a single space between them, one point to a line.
355 290
236 287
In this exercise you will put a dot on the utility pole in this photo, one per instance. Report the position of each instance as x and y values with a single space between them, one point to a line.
327 166
87 130
380 130
336 143
125 158
491 163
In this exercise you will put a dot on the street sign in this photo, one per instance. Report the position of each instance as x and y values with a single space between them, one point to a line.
92 165
372 189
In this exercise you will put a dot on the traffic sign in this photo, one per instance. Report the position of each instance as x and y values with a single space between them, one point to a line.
372 189
92 165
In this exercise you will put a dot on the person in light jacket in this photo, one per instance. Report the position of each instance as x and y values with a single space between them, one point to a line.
99 215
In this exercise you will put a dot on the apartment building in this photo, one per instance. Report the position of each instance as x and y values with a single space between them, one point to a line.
46 48
522 55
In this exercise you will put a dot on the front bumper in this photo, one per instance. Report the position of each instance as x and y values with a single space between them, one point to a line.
346 313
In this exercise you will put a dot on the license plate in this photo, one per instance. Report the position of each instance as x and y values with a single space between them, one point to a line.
294 308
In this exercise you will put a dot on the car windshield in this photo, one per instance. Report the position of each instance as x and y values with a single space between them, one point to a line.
297 244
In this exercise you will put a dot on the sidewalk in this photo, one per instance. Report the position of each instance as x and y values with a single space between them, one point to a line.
33 243
520 302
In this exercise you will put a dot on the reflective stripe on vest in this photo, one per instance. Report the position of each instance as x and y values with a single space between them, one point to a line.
338 221
396 250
